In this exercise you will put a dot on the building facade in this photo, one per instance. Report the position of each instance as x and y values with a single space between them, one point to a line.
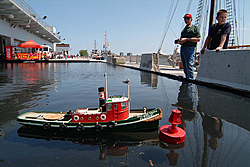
63 48
20 23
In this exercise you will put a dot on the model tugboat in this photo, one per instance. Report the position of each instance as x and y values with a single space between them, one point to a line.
112 115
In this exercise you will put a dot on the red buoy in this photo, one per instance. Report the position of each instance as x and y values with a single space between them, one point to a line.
171 133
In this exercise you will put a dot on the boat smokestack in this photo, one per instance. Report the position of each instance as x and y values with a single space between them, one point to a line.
102 99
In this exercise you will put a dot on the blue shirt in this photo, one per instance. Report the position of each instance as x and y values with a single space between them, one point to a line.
215 32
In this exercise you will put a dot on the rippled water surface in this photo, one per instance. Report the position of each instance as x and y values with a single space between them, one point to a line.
217 123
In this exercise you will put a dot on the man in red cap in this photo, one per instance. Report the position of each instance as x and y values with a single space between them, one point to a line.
190 35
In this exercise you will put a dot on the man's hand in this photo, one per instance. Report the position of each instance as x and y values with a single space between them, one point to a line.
218 49
183 40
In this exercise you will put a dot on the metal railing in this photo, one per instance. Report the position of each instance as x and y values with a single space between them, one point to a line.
21 4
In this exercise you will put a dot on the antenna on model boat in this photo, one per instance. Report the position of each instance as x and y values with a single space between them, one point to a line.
106 86
127 82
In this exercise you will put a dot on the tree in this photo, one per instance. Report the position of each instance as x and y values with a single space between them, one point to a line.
83 53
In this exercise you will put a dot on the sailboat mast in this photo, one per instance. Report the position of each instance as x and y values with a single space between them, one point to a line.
211 13
95 45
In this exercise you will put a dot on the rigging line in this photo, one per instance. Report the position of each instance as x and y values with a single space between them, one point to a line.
165 95
202 13
185 158
191 150
164 87
243 30
173 32
189 5
188 138
216 9
167 19
195 126
226 131
212 156
239 17
187 10
233 144
219 155
196 129
205 23
169 23
222 146
240 148
236 23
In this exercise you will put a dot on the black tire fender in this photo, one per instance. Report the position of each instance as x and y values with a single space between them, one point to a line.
46 125
111 124
79 127
62 127
98 127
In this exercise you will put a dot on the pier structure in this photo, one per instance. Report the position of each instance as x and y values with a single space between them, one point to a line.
229 67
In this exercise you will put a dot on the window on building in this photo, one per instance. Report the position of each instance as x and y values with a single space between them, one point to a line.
116 106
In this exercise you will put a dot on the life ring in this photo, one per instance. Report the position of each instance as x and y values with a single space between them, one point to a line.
111 124
79 127
46 125
98 127
103 117
76 118
62 127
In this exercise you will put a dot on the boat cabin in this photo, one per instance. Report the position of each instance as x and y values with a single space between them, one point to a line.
116 108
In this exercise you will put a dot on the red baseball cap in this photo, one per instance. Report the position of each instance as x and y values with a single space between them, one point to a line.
188 15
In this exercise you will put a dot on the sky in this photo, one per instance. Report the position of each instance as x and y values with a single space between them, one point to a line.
134 26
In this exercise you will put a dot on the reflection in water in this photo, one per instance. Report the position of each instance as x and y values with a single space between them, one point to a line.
22 83
213 127
230 107
21 86
172 156
149 79
110 144
217 123
216 134
187 102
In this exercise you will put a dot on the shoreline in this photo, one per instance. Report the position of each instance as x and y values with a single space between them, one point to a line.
165 70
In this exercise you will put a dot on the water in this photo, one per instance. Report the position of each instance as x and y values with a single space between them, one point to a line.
217 123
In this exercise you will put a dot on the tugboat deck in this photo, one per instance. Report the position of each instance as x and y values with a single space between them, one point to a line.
58 116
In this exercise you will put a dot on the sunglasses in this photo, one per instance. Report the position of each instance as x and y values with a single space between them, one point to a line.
187 18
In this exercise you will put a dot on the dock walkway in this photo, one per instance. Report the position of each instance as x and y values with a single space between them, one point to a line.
164 69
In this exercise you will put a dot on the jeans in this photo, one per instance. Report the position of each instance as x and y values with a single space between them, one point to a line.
188 96
187 58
